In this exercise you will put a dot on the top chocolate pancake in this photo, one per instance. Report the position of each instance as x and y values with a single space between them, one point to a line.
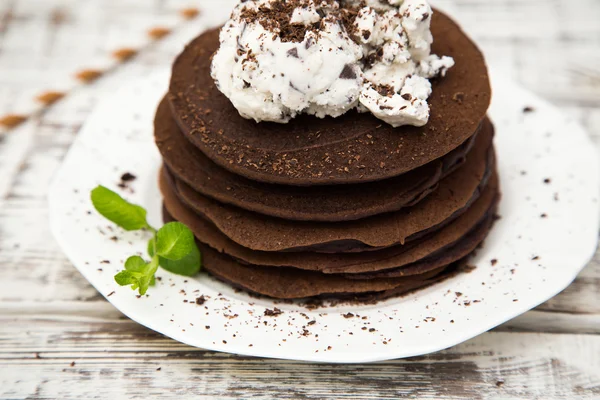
313 203
353 148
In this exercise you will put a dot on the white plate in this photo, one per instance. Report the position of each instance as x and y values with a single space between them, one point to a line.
536 257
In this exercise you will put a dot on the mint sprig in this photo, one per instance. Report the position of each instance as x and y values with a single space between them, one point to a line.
171 247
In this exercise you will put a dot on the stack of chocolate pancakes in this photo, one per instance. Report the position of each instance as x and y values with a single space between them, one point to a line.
344 206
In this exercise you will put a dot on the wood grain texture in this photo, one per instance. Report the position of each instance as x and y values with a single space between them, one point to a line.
51 317
127 360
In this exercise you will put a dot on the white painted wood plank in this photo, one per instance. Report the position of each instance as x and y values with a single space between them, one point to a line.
98 360
541 320
93 308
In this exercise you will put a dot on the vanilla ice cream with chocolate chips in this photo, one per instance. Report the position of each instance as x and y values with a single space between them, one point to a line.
278 59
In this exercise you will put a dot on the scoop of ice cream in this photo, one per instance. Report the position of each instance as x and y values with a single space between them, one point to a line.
278 59
281 58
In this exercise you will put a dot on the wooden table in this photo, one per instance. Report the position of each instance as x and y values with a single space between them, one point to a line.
60 339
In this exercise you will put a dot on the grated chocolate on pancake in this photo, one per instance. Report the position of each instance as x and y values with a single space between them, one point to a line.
313 151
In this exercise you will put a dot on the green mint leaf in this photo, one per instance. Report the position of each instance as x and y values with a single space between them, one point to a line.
113 207
135 264
187 266
174 241
126 278
138 274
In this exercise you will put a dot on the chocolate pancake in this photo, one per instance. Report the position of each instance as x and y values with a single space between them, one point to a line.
468 225
442 257
354 148
316 203
291 283
258 232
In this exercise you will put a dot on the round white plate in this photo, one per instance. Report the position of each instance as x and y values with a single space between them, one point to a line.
547 233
